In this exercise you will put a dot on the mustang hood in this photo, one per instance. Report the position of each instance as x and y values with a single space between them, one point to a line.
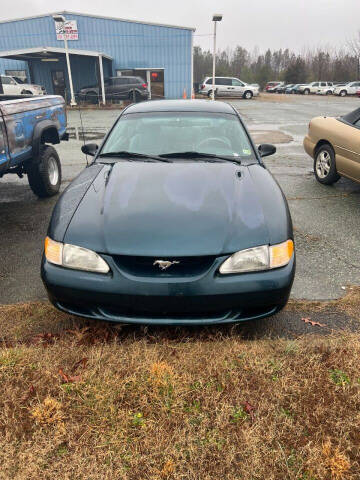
176 209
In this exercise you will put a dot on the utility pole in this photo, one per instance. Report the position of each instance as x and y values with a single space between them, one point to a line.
217 17
61 18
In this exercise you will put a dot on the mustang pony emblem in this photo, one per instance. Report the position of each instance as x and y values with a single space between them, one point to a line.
165 264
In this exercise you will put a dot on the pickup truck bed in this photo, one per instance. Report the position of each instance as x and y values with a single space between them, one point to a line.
27 126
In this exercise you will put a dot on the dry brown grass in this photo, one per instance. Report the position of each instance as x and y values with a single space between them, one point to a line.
84 401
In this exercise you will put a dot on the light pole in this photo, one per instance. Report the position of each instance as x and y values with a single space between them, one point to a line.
61 18
217 17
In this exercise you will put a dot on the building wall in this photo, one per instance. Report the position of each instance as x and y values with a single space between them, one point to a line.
130 44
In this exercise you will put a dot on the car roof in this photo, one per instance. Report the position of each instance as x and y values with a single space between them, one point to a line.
181 106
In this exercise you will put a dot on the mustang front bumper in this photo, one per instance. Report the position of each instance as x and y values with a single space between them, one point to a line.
205 299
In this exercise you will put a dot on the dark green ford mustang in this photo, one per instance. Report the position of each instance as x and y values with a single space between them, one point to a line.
177 221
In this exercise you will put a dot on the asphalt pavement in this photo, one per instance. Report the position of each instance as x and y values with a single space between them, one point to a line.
326 219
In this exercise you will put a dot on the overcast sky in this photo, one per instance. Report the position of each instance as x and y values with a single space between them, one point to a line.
295 24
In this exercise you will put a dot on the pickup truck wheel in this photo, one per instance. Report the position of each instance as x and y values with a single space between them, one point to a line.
248 95
343 93
306 91
325 165
44 172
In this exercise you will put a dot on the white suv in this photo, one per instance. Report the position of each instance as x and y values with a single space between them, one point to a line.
228 87
15 86
347 89
314 87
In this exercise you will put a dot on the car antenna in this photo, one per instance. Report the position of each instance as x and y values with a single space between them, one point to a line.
82 131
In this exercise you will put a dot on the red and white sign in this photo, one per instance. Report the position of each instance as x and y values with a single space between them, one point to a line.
68 29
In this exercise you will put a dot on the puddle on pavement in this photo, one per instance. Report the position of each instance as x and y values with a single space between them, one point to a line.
85 134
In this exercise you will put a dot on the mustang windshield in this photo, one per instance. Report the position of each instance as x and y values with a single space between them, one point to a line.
163 133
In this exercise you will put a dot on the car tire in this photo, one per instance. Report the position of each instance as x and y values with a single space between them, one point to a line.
325 165
306 91
329 92
343 93
26 92
248 95
44 172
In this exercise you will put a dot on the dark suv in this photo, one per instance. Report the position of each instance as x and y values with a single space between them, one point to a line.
122 88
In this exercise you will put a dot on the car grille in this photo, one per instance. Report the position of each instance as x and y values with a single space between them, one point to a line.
150 267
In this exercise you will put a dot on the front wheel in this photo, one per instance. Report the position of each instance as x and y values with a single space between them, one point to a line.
306 92
325 165
343 93
248 95
26 92
44 172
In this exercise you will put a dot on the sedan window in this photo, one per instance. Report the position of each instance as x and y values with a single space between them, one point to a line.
162 133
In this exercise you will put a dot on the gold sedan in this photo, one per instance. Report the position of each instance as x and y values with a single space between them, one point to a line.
334 144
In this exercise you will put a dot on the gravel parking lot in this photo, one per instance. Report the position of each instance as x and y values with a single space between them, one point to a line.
326 219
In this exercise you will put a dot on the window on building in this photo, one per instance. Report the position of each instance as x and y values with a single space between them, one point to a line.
21 74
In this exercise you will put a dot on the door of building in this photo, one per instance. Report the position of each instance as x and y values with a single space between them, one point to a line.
58 81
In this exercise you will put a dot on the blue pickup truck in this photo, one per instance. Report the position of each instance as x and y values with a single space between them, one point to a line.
27 127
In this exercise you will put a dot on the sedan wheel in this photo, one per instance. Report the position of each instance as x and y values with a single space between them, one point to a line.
343 93
325 166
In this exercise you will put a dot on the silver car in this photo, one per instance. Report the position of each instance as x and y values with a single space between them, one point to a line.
228 87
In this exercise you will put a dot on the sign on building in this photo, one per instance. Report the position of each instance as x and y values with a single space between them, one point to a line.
68 29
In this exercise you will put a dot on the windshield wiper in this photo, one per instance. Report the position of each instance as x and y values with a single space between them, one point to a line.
201 155
129 155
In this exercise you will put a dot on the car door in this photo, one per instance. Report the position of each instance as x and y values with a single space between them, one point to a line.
238 87
227 87
346 142
314 87
353 88
10 87
221 86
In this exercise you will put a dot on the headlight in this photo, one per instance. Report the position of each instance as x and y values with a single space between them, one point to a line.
259 258
71 256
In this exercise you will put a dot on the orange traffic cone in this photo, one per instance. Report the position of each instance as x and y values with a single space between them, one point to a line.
192 94
184 94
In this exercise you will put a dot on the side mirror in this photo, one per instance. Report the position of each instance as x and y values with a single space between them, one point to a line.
90 149
266 149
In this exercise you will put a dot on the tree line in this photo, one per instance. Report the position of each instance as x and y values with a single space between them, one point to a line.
257 67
